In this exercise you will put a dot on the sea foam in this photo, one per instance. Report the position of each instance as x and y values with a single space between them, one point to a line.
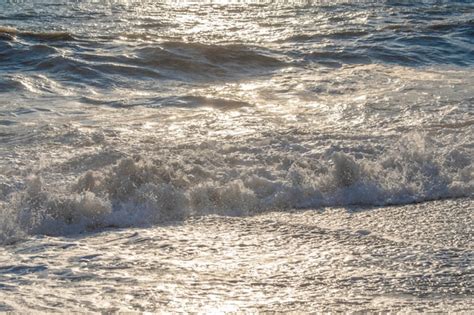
152 190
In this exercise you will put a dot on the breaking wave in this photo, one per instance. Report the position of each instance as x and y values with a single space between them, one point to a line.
258 61
234 181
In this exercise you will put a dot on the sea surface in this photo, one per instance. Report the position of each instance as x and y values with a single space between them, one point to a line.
236 156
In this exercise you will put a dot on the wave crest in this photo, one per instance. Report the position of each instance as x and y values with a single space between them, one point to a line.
10 33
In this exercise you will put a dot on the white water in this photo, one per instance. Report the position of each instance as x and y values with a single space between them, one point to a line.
120 167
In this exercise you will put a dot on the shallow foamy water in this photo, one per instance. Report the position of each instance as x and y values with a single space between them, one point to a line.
413 258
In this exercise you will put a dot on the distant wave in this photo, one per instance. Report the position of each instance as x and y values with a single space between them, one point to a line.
403 44
10 33
166 60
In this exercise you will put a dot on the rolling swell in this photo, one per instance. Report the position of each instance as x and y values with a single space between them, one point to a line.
167 60
401 36
408 44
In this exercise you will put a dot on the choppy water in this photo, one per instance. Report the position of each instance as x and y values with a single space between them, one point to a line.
127 126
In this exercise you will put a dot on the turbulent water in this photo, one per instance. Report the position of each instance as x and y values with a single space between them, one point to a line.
236 155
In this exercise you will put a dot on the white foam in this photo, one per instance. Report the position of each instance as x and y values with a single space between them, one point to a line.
146 190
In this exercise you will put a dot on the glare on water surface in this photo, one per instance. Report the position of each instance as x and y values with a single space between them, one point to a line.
236 156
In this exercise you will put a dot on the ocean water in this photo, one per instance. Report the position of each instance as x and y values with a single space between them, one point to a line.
236 156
